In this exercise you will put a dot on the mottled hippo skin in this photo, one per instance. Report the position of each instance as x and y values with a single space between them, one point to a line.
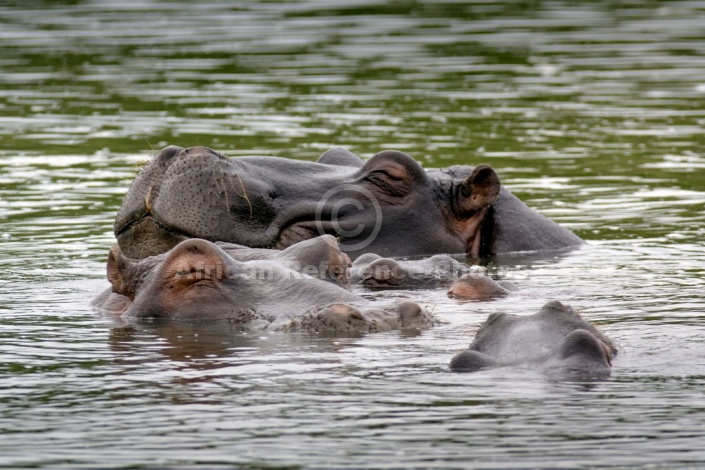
295 289
556 340
387 205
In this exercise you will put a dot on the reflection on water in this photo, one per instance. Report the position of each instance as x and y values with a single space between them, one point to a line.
592 113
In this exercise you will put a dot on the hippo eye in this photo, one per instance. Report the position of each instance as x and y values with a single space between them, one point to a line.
394 185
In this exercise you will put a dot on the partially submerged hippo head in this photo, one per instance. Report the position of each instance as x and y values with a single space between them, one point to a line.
319 256
464 282
476 286
387 205
201 281
556 340
377 272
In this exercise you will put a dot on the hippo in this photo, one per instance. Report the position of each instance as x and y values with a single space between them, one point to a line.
377 272
464 282
199 281
387 205
556 341
475 286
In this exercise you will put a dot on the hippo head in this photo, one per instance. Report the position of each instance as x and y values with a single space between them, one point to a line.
387 204
196 280
556 340
199 281
476 286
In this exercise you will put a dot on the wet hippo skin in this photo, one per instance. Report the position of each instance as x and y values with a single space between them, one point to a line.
556 340
295 289
376 272
463 282
474 286
387 205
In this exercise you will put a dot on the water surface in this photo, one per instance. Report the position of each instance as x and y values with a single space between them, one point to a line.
592 113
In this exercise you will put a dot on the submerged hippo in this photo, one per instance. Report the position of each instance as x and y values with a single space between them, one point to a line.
464 282
555 340
387 205
377 272
474 286
258 289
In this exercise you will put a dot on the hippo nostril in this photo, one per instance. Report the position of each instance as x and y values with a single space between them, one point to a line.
168 153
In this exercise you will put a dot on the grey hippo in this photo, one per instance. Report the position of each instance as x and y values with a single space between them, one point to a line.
555 340
387 205
463 282
294 289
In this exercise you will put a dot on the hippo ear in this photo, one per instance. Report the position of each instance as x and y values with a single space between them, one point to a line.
478 191
117 266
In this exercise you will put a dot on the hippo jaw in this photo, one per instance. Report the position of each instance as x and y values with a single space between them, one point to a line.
389 205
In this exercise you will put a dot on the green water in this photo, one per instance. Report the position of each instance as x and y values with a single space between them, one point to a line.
592 112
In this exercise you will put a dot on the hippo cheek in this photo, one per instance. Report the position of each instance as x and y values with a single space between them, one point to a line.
295 233
148 237
355 222
388 207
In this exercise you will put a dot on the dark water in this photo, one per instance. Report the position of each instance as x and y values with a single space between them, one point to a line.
593 113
